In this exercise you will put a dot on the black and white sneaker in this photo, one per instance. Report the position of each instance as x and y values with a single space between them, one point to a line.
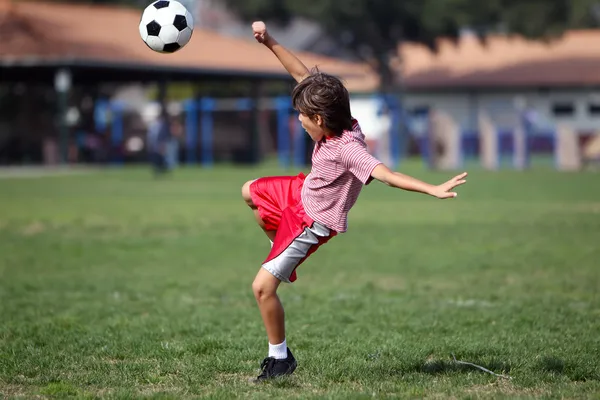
272 368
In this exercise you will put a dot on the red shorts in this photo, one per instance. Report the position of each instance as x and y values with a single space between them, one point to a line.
298 236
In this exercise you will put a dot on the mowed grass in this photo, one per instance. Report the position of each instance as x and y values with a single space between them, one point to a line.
117 285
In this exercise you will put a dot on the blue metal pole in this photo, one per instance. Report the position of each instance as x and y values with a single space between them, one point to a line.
395 130
283 132
191 130
207 106
554 139
251 105
461 147
299 145
100 109
529 132
117 131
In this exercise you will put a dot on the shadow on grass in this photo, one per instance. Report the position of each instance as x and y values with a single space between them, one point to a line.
576 372
438 367
282 382
552 364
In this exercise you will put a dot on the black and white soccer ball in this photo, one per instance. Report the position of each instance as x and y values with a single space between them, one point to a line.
166 26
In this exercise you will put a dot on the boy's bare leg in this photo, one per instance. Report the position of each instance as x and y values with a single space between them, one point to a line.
248 200
265 291
270 234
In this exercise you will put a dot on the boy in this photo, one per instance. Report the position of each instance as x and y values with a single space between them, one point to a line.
300 213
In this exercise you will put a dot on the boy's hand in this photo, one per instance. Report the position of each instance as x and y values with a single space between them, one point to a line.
289 61
260 31
443 191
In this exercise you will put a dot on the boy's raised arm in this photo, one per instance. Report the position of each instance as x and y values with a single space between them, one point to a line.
291 63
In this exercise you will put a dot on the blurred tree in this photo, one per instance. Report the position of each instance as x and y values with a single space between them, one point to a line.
133 3
373 29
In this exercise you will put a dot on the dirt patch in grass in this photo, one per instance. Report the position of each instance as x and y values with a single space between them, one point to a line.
33 229
16 391
507 388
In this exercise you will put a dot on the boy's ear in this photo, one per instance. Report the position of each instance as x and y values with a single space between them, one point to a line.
319 120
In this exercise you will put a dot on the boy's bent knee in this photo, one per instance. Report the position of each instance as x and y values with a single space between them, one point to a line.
246 193
264 288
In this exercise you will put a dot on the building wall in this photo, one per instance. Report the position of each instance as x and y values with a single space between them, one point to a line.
579 108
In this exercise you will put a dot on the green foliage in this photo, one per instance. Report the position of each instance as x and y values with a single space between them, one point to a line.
544 19
372 29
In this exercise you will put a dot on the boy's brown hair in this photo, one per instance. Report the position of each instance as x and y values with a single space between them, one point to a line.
325 95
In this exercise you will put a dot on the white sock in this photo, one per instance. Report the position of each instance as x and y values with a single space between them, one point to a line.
278 351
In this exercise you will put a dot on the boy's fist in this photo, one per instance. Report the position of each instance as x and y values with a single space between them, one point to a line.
260 31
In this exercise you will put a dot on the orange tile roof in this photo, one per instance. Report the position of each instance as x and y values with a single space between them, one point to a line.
96 33
574 59
51 31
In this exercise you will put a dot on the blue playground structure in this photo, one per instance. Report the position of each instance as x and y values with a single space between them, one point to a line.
292 142
199 128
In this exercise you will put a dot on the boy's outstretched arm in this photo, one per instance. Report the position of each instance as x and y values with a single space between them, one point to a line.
291 63
396 179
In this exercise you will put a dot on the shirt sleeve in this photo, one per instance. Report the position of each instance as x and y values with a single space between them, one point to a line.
358 161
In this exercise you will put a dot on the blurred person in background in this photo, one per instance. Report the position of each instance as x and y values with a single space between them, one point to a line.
159 135
176 134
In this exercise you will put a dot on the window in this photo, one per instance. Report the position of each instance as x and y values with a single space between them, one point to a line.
563 109
594 109
420 111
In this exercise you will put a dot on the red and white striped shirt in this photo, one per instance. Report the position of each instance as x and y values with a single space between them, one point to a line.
341 166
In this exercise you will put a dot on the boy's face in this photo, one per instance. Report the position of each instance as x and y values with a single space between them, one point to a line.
313 126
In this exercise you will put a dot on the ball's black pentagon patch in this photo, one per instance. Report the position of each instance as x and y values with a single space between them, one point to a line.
161 4
171 47
180 22
153 28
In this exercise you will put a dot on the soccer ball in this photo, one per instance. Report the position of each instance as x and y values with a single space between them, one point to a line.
166 26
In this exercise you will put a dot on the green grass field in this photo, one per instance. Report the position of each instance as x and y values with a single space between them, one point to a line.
115 285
